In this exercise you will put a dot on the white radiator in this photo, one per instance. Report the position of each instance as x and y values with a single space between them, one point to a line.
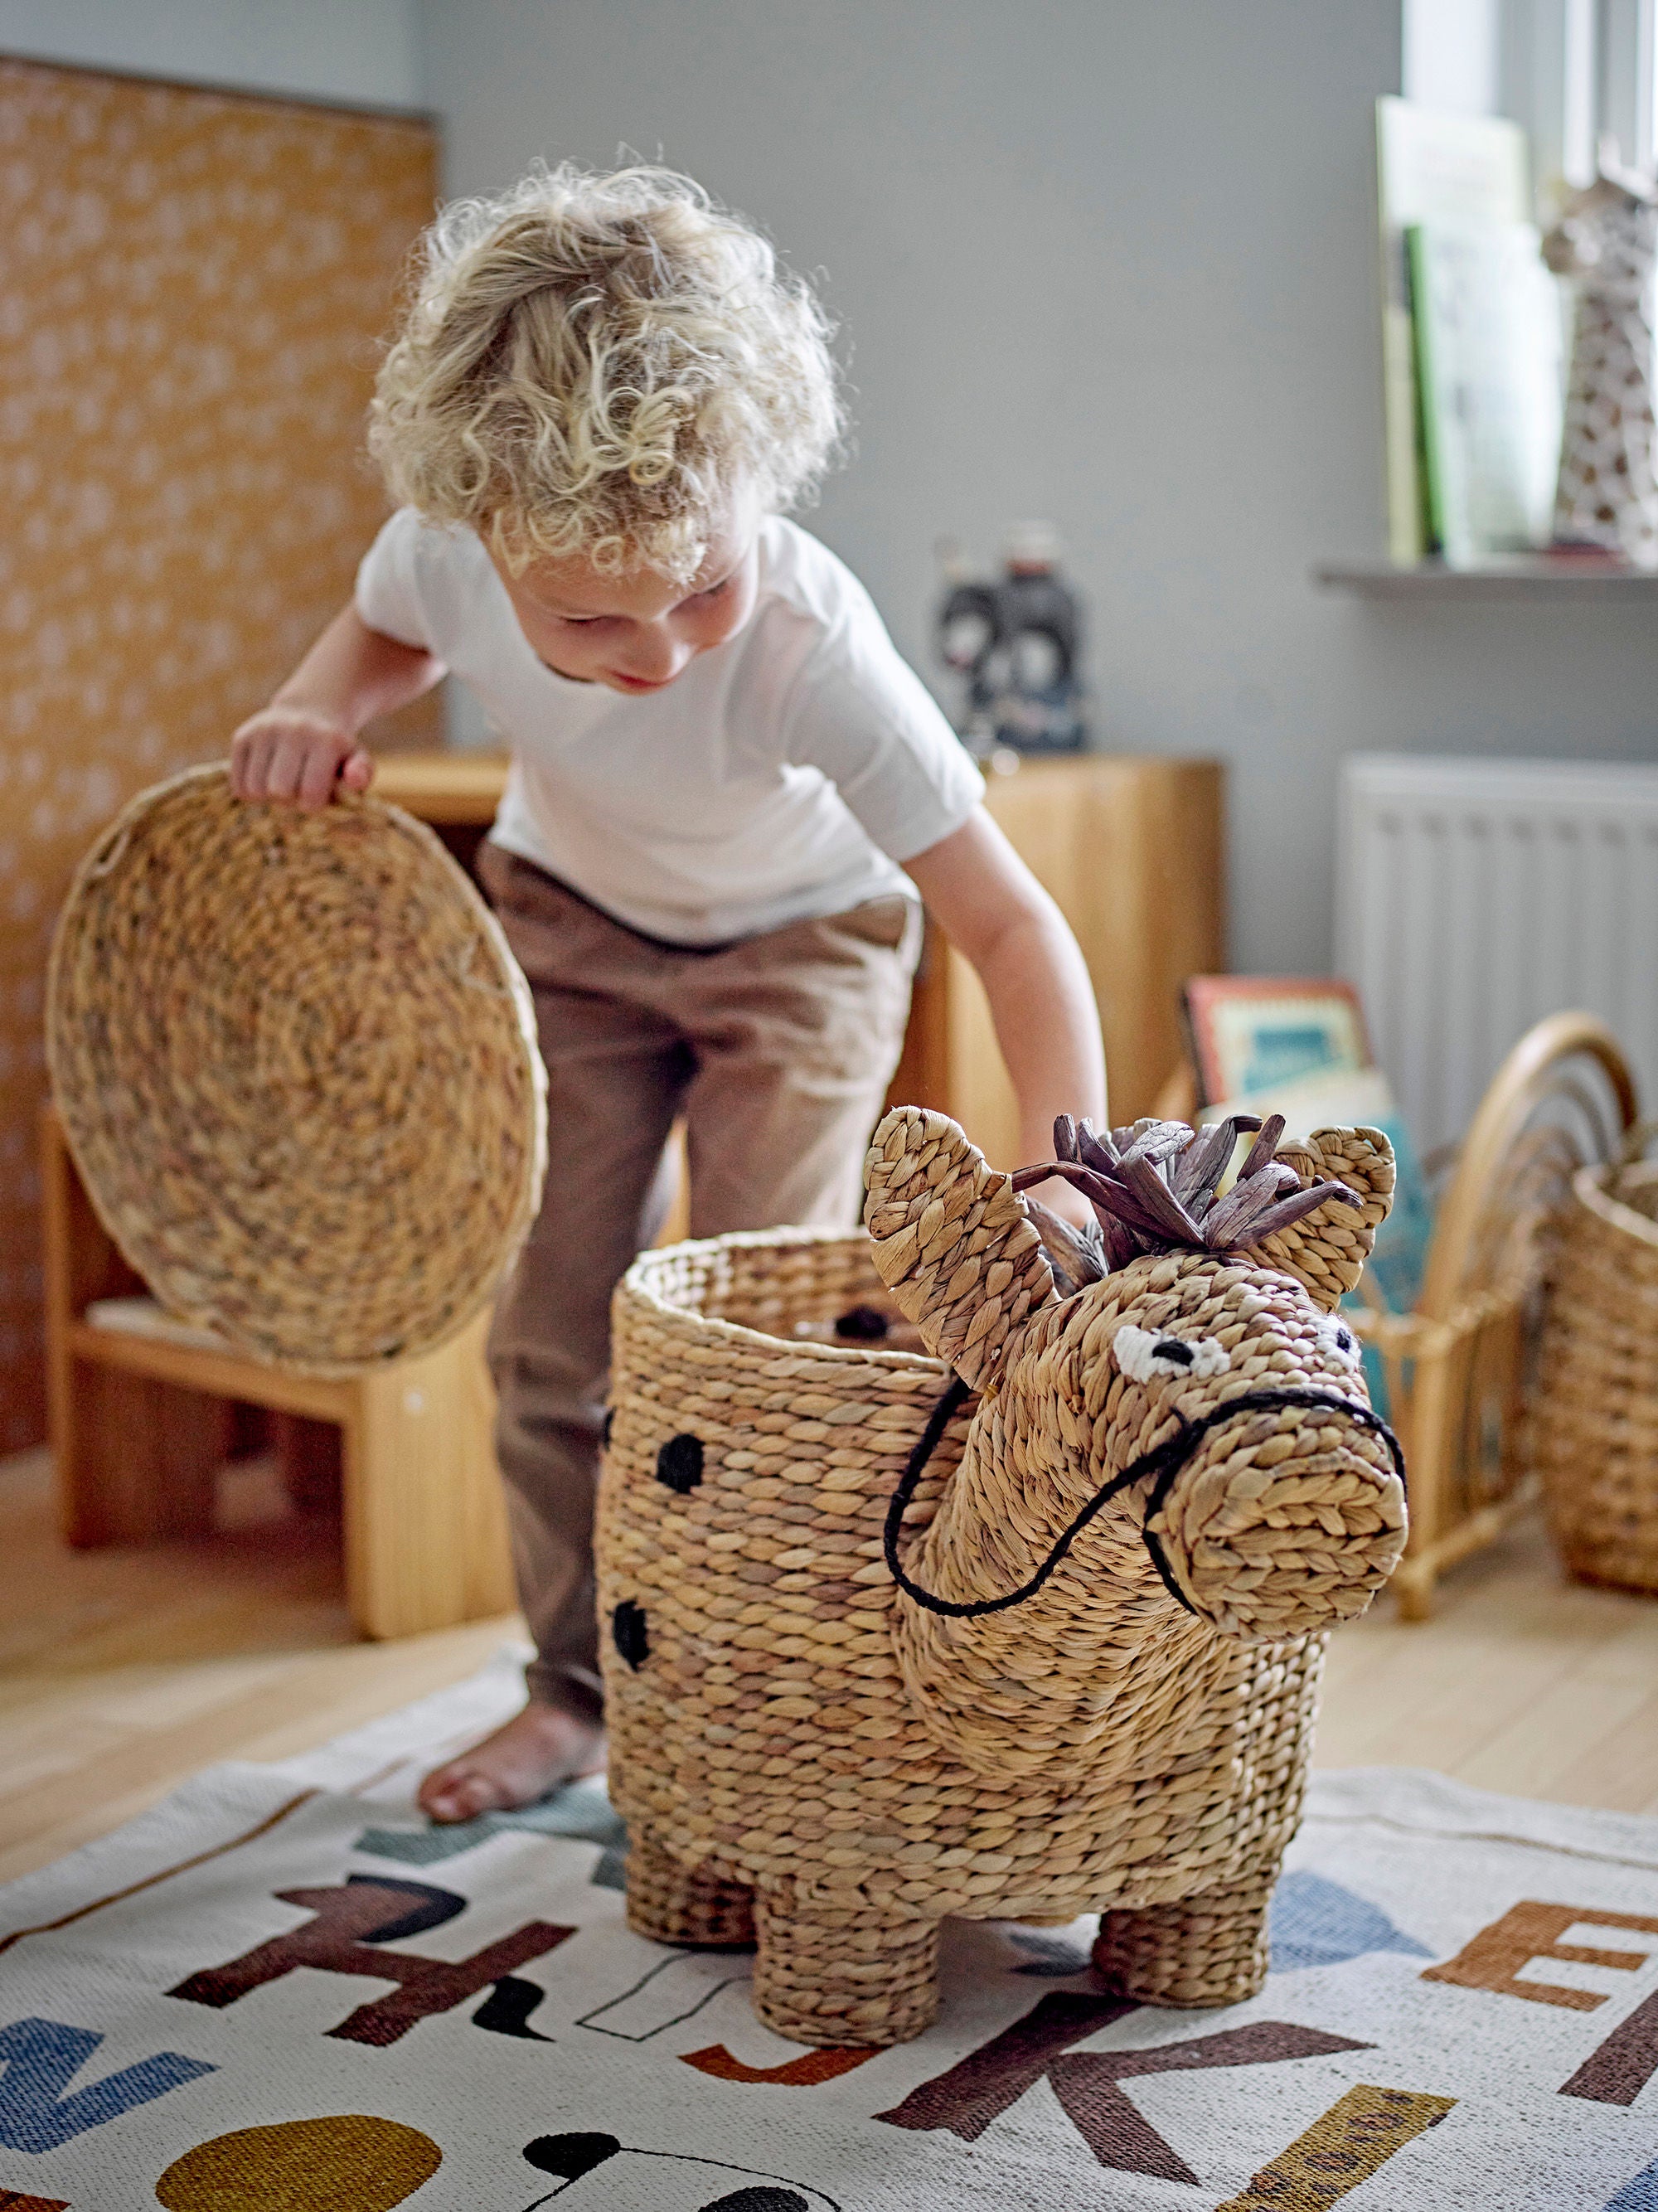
1474 896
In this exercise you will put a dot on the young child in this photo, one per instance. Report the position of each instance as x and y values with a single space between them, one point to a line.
726 791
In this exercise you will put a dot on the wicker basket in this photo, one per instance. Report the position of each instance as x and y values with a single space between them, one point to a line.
1597 1402
296 1065
795 1763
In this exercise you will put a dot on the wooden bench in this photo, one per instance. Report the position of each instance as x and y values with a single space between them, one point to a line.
141 1422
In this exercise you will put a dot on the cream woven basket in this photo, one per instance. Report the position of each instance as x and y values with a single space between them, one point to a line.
807 1758
296 1065
1596 1407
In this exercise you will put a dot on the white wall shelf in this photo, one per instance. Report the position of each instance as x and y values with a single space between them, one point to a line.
1529 576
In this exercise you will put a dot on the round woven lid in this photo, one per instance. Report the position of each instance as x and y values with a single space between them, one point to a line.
297 1068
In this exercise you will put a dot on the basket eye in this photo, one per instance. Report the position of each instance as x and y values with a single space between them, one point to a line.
1151 1355
1336 1338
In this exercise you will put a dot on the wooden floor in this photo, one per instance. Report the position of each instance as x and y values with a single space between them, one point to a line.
121 1672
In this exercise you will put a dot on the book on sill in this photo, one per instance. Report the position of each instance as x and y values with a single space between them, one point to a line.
1430 169
1490 363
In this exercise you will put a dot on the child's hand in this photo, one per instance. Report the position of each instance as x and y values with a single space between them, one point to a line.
292 757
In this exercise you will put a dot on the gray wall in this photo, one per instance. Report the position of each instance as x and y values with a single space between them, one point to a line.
1112 262
1107 261
353 51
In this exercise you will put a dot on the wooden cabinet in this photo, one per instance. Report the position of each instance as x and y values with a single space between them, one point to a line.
1131 847
1132 851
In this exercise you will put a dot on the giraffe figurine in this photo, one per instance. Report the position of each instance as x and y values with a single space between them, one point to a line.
1607 240
1052 1652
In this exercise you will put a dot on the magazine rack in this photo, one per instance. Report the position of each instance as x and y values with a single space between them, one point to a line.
1460 1367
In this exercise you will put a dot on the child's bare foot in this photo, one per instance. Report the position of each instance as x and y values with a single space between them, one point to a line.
536 1750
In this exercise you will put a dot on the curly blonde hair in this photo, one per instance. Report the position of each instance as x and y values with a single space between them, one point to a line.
591 364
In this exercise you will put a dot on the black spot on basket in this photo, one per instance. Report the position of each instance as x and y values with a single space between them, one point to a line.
628 1631
862 1325
679 1463
606 1426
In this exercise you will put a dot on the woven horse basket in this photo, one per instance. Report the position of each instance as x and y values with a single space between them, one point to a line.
775 1776
297 1068
1596 1408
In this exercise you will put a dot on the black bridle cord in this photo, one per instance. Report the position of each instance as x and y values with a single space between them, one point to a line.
1164 1461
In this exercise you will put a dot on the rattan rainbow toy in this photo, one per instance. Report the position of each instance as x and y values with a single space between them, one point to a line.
875 1656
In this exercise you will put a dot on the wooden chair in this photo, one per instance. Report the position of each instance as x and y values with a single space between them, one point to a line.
1459 1367
141 1425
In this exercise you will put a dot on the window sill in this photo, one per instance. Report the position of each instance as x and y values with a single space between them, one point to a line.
1529 576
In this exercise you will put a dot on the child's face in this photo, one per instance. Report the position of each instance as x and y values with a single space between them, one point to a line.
635 633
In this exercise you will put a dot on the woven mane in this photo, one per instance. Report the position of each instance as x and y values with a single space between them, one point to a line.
1154 1187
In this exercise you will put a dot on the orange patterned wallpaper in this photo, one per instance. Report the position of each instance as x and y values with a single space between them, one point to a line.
191 288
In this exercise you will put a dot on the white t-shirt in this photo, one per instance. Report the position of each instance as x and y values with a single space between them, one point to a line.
786 772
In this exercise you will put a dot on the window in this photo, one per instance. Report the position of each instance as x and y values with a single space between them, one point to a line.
1568 71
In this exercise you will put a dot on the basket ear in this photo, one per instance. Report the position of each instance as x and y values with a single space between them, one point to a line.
952 1241
1327 1251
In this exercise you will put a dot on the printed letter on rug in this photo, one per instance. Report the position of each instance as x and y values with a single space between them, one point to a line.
475 2059
1527 1931
1357 2134
41 2058
967 2099
1638 2194
1617 2072
343 1935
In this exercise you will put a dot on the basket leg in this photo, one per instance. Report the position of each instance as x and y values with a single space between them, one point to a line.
856 1977
1205 1950
673 1903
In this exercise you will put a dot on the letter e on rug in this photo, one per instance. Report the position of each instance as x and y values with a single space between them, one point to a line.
1616 2073
1529 1931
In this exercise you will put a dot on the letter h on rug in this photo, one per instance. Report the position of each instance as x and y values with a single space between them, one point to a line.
343 1935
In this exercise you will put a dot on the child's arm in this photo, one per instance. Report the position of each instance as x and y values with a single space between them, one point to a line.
998 916
293 750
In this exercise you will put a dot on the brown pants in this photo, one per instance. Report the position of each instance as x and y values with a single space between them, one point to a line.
777 1050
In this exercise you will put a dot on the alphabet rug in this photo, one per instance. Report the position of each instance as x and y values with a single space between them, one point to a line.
281 1991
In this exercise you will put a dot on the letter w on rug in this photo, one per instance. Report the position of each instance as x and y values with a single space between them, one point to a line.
41 2058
